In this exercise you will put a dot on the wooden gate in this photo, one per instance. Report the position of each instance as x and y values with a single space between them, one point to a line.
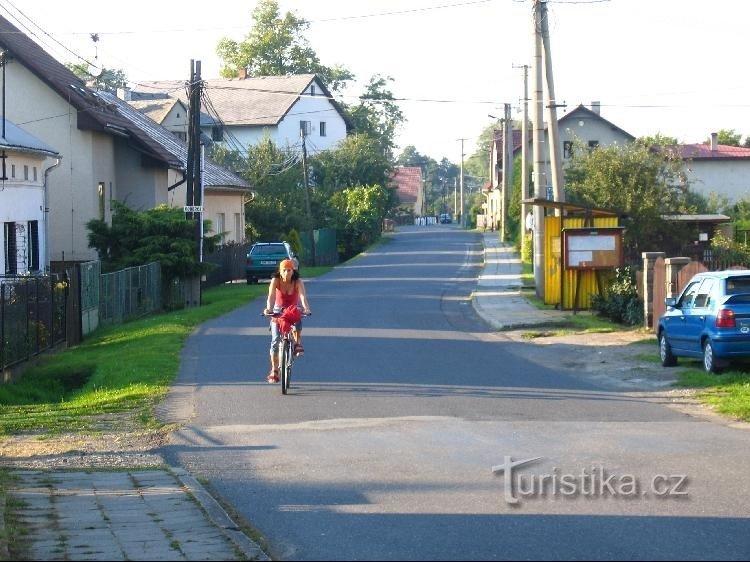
686 274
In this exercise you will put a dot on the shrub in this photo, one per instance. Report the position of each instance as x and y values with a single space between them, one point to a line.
620 303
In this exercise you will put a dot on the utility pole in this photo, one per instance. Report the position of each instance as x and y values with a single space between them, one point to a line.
306 177
540 175
558 186
507 168
524 146
194 192
463 221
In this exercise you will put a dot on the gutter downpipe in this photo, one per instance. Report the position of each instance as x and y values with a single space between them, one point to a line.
46 215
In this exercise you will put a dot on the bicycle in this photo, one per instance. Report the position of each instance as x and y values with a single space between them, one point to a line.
286 352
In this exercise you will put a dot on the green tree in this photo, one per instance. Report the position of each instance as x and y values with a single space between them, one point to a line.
377 114
728 137
109 79
635 180
276 46
358 216
356 161
160 234
657 140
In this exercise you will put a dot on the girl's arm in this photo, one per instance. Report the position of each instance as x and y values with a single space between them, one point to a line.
271 295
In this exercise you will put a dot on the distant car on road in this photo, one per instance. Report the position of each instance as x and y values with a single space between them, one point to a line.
264 257
709 320
445 218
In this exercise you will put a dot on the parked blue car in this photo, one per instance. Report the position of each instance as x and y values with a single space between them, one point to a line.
710 320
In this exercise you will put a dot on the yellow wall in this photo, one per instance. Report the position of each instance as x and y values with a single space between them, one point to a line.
554 275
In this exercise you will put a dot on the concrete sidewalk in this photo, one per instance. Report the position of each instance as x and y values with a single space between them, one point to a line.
123 515
165 514
497 298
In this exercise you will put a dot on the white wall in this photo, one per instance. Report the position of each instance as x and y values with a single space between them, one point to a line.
727 177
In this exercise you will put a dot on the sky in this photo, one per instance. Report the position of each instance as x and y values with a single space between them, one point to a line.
672 67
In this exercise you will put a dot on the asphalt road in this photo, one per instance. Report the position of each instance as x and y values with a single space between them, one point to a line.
406 407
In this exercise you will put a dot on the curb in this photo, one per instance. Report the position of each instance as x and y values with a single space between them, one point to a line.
249 548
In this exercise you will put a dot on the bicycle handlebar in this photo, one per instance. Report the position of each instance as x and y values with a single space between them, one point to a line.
279 314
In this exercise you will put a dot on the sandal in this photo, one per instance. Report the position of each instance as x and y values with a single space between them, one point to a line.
273 377
298 350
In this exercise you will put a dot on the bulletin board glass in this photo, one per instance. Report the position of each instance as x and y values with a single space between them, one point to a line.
593 248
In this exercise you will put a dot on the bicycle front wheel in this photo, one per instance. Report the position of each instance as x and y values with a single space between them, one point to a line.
285 365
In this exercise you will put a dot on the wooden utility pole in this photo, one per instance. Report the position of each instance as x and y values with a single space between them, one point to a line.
558 186
540 175
463 220
193 176
507 170
306 177
524 146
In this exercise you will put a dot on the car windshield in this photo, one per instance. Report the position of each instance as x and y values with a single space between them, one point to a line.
738 285
268 249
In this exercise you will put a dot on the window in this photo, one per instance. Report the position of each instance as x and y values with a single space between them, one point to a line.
26 173
11 266
220 225
100 196
322 128
238 227
217 133
567 149
305 127
34 173
13 171
686 300
593 144
312 90
180 135
32 246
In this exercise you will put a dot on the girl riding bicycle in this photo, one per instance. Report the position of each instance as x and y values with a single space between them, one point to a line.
286 289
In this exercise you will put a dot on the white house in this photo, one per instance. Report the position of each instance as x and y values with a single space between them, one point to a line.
239 112
25 162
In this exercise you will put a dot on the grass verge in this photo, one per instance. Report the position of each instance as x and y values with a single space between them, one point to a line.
122 367
727 393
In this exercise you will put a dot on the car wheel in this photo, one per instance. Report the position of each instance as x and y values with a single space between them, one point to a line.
665 352
710 363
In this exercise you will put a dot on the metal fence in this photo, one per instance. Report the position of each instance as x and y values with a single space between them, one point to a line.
32 317
129 293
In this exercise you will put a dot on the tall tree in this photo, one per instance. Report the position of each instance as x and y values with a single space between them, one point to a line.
377 114
276 46
727 137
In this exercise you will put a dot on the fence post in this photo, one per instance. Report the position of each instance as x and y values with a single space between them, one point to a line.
649 258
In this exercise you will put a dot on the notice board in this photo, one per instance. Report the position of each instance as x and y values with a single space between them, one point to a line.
593 248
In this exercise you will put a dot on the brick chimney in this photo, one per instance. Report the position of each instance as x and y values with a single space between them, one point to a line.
714 142
596 107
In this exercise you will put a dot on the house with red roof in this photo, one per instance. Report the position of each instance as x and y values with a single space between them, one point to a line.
409 189
717 168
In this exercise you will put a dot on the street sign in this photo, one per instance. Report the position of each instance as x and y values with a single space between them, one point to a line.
193 208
